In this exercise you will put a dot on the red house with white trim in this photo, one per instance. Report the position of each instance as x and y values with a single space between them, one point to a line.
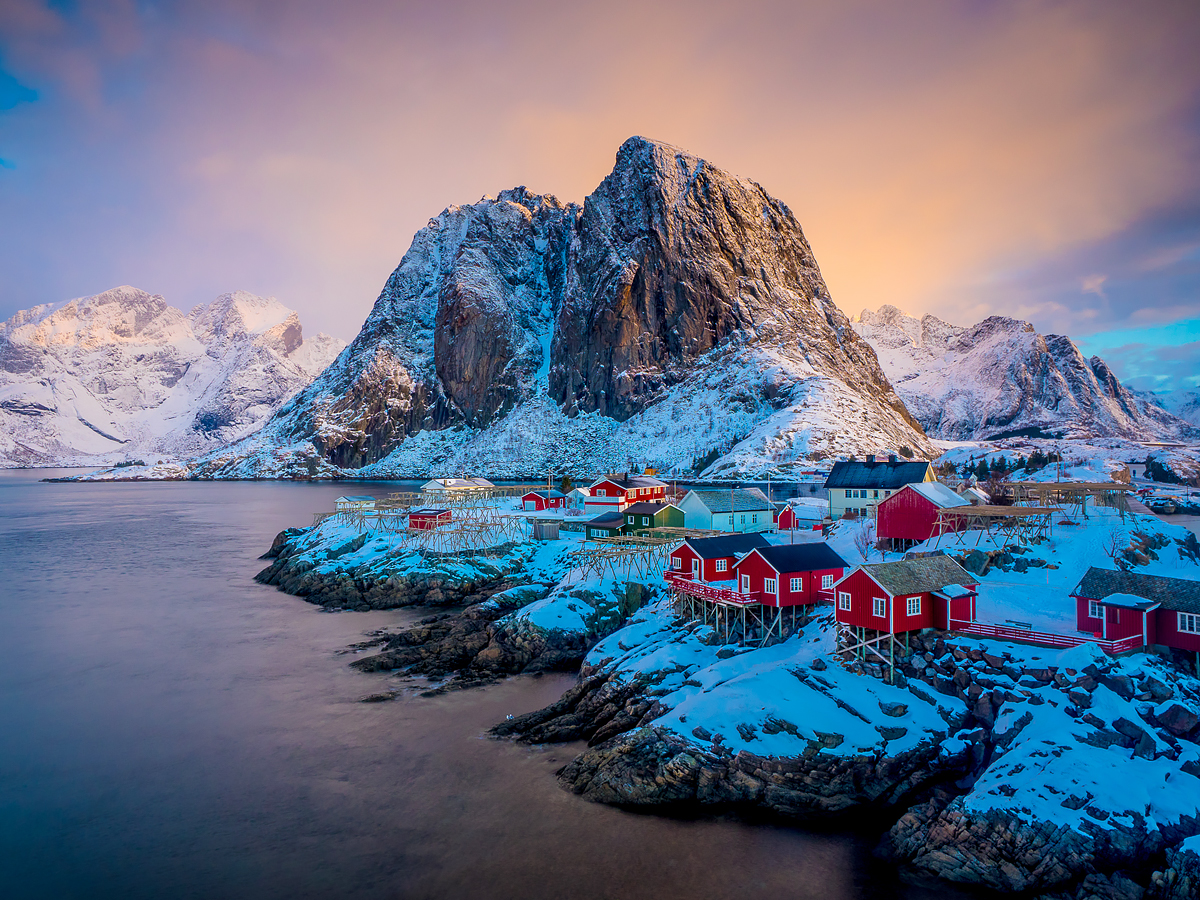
910 515
908 595
1112 605
614 492
543 500
713 558
790 574
428 518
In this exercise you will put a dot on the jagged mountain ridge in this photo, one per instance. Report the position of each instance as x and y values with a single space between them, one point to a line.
105 378
677 311
1001 378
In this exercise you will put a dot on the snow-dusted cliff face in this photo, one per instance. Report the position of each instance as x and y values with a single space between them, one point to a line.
678 312
1183 403
120 374
1001 378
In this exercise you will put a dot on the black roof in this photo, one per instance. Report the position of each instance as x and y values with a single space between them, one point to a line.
608 520
881 474
802 557
1177 594
727 545
645 508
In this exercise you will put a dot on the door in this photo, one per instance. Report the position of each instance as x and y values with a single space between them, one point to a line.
695 570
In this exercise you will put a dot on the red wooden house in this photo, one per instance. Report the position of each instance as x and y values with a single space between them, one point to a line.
428 518
908 595
1112 605
713 559
543 500
910 515
614 492
790 574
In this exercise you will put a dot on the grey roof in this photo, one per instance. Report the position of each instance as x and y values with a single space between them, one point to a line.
916 576
1177 594
884 474
545 495
742 500
608 520
358 499
727 545
645 508
802 557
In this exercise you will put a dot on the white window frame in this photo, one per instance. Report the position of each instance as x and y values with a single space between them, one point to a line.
754 519
826 582
844 600
731 518
913 606
677 563
879 607
743 522
645 520
796 585
600 492
1095 610
770 586
695 568
1188 623
745 584
722 565
630 519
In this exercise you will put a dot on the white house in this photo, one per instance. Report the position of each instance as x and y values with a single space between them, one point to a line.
728 509
577 498
342 504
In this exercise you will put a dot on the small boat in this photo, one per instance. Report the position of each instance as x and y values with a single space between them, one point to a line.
1163 505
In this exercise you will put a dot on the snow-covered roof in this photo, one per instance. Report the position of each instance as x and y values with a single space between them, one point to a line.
917 576
954 591
733 500
885 474
939 495
458 483
545 495
1128 601
1177 594
355 500
428 511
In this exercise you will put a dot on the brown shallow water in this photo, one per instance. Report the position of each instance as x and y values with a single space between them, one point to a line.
170 728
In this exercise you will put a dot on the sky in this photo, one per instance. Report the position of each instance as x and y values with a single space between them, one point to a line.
964 159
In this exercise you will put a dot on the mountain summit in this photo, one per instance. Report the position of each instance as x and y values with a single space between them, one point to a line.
679 314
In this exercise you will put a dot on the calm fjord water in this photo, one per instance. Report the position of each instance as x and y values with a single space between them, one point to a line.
170 728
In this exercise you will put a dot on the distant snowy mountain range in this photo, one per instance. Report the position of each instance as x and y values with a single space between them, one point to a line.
1000 378
123 374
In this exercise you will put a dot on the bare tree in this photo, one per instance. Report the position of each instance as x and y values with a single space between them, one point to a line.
864 539
1114 544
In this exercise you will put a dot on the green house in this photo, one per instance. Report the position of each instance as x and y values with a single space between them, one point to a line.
639 518
605 525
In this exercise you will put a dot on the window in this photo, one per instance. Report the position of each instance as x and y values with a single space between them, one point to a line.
877 495
795 585
879 607
826 582
745 584
731 519
754 519
914 606
743 518
770 585
722 565
1095 611
601 493
595 532
843 600
849 494
645 520
677 562
629 519
1189 623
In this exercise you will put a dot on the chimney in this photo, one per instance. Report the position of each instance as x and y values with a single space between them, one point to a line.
892 458
870 459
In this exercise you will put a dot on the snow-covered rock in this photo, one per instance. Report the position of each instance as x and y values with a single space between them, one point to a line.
123 374
1001 378
678 314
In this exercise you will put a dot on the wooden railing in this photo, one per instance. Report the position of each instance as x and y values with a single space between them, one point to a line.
1044 638
682 583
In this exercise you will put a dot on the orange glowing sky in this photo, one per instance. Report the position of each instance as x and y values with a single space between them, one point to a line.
1033 159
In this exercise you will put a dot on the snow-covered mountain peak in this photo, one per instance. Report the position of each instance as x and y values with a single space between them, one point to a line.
100 378
1000 377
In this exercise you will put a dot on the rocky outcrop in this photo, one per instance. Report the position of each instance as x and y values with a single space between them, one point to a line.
676 286
1001 378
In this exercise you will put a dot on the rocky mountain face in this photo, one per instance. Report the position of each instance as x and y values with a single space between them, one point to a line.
1001 378
122 374
677 314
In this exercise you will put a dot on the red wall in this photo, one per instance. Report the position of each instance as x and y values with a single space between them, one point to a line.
810 582
708 567
1083 621
906 515
540 503
1166 631
862 593
1123 623
427 522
